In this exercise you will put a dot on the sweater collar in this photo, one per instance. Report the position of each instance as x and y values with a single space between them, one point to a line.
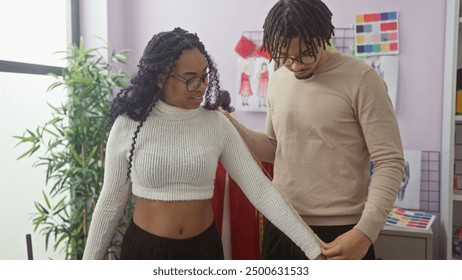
165 109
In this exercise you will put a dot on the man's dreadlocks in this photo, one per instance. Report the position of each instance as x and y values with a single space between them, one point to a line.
310 20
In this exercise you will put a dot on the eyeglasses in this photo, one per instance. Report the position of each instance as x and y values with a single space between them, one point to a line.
288 60
194 83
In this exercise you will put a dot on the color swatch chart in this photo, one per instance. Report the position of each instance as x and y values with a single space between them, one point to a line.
376 34
409 219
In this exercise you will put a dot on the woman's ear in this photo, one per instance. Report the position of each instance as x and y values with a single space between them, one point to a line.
160 80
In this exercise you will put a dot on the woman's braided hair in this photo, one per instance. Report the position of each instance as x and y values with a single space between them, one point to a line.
159 57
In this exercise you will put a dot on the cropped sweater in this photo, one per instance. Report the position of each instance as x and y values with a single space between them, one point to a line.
175 159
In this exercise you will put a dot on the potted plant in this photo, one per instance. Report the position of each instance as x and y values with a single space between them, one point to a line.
73 142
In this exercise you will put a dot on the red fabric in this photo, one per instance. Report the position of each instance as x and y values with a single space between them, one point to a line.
245 47
244 225
267 169
219 196
262 53
243 216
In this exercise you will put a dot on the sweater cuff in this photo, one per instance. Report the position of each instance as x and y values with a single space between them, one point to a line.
370 228
313 253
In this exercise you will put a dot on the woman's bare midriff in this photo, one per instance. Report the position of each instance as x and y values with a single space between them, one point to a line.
173 219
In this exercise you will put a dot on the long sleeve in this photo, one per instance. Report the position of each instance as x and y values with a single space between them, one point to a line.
381 133
262 194
261 144
114 194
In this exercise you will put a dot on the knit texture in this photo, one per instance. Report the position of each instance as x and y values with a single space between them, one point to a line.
322 133
175 159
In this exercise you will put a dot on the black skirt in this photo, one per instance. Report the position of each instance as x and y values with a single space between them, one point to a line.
139 244
277 246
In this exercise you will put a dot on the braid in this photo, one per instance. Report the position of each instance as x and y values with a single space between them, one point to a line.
159 57
310 20
135 136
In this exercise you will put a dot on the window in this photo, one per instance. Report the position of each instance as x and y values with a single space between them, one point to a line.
31 33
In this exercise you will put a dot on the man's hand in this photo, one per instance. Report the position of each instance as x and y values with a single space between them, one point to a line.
225 113
321 257
352 245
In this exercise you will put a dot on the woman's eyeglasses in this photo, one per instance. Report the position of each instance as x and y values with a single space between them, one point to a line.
192 84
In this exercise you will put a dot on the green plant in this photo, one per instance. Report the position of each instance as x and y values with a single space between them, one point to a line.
73 142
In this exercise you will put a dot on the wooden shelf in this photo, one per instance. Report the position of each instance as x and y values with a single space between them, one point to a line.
457 195
458 118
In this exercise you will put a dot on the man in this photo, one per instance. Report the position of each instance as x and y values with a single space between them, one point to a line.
329 116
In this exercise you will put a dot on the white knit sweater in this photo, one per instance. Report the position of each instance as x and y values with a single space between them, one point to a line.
175 159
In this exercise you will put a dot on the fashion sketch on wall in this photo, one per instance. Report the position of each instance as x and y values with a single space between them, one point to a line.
409 190
253 75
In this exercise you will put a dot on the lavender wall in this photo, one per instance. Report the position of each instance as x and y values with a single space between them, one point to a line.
94 22
421 58
220 24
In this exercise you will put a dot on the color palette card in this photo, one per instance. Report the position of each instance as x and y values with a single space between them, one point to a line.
410 219
376 34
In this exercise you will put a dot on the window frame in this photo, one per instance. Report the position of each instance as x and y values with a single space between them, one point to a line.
73 24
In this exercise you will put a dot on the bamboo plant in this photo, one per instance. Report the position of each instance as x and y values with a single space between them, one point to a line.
72 144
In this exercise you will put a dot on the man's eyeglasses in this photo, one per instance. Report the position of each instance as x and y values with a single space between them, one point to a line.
288 60
192 84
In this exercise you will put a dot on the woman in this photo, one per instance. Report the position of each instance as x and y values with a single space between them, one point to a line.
164 148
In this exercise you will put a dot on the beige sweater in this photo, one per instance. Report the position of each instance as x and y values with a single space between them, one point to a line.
322 134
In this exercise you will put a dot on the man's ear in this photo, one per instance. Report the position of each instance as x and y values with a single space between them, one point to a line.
160 80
